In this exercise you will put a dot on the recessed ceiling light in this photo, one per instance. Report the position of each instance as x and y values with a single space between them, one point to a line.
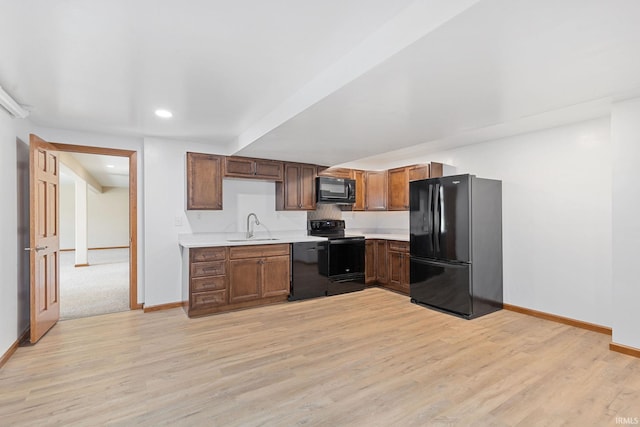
110 166
165 114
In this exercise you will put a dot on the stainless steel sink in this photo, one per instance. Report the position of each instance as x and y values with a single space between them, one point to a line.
252 239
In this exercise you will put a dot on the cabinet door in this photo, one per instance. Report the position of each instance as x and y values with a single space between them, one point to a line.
398 189
204 181
246 167
244 279
307 187
418 172
396 269
275 276
334 172
358 175
376 190
297 191
269 169
239 166
381 262
436 170
369 262
290 187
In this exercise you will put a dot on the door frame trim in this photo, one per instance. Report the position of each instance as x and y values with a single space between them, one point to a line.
133 207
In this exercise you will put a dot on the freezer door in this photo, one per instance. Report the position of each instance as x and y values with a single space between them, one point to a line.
443 285
421 197
452 218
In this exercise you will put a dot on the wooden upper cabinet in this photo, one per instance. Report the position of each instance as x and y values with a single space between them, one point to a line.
436 170
399 185
358 176
204 181
418 172
376 190
297 191
398 189
334 172
245 167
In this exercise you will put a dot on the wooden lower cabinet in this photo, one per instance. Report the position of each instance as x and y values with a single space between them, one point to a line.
207 279
382 270
245 276
276 276
228 278
370 262
399 263
387 264
258 272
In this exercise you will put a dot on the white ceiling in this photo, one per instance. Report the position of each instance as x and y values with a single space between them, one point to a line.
325 82
108 171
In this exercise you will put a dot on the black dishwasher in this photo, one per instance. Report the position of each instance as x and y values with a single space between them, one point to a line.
306 279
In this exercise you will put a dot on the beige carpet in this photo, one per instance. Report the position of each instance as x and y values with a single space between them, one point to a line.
100 288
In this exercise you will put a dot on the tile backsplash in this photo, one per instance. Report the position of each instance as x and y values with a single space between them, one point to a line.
325 211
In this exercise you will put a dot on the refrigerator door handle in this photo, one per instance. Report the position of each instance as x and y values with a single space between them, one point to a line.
437 219
450 264
429 219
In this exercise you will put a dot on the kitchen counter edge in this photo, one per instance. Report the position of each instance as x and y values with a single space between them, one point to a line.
202 241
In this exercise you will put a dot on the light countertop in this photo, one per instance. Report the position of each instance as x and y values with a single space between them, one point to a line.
201 240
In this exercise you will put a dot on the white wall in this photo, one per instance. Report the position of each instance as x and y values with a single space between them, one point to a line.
625 134
165 185
9 327
556 216
67 215
108 217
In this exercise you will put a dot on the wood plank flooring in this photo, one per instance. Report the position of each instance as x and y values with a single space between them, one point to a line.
369 358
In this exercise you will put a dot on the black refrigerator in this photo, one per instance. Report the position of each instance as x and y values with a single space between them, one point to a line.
456 244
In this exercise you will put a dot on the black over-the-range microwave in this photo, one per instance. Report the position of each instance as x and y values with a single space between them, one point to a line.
335 190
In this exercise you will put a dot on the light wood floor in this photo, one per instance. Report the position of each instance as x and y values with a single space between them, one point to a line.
365 359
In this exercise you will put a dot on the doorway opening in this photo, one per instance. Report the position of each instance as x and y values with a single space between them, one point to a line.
98 270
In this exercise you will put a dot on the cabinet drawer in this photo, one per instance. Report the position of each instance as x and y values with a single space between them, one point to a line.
208 254
213 283
395 245
214 268
258 251
208 299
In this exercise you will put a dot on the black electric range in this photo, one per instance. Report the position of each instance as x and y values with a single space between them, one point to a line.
330 267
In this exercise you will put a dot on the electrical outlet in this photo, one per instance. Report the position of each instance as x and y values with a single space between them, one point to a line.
178 221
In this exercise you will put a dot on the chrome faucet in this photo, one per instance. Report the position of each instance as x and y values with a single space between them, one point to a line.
249 228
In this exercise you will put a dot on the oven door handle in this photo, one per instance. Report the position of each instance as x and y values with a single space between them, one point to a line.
346 241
